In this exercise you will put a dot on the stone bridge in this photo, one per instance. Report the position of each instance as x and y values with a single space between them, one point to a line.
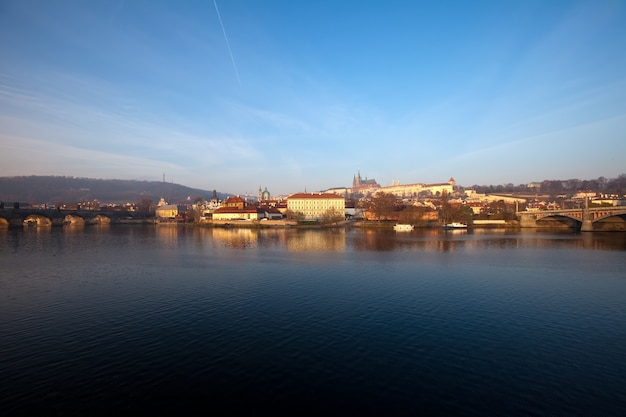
586 219
17 217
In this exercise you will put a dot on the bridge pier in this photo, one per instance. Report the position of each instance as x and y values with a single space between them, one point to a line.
587 225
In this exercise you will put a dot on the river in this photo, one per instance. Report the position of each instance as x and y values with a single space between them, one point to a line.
103 320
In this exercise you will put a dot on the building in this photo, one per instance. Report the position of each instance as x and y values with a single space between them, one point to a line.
234 202
414 190
363 186
339 191
314 205
166 211
236 208
264 195
236 213
271 212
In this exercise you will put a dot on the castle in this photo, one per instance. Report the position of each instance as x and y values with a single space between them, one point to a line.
365 186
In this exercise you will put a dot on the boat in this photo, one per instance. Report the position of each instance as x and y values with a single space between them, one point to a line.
455 225
403 227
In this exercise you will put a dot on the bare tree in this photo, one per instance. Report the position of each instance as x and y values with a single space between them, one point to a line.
294 215
332 216
145 207
382 205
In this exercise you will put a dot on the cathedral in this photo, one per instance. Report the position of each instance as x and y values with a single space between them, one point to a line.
359 183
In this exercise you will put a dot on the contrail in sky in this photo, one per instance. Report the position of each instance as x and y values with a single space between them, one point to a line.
227 43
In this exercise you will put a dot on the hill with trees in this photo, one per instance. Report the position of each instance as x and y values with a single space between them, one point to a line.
602 185
55 190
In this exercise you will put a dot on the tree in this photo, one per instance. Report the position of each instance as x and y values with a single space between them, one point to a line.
194 214
145 207
412 215
332 216
294 215
449 213
446 208
572 185
382 205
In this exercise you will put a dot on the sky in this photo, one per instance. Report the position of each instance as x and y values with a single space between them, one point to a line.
301 95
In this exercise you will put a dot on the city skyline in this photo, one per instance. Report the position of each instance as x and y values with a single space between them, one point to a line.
289 95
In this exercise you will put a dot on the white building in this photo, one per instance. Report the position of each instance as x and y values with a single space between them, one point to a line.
314 205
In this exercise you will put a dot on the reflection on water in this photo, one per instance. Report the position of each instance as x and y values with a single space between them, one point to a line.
109 320
73 228
480 239
293 240
238 238
333 240
168 234
313 241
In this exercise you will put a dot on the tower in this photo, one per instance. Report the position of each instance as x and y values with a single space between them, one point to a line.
266 195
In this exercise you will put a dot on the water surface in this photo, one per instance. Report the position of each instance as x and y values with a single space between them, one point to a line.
103 320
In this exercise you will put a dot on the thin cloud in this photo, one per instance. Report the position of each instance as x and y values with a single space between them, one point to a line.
230 52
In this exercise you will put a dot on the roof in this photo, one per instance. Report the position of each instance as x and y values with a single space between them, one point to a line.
236 199
167 207
269 209
420 184
316 196
249 209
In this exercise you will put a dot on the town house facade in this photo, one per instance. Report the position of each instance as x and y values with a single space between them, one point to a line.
314 205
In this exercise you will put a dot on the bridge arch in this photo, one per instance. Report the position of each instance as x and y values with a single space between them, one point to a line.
101 219
560 220
621 214
37 220
610 222
559 215
73 220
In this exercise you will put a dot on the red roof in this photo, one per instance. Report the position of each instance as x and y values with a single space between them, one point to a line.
316 196
231 200
249 209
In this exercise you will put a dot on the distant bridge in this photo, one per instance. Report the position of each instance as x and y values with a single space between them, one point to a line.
586 219
17 217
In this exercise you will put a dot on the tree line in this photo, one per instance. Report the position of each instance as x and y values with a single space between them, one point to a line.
615 185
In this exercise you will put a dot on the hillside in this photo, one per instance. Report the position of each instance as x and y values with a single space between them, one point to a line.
53 190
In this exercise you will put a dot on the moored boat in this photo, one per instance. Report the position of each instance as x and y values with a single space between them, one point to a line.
455 225
403 227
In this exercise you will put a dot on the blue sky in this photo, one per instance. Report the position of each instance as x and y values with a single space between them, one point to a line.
303 94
